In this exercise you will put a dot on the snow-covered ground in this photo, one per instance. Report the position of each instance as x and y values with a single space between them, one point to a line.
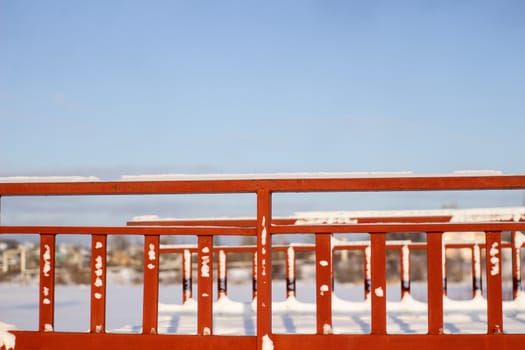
236 313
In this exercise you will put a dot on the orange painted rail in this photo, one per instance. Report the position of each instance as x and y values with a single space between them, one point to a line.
404 248
264 229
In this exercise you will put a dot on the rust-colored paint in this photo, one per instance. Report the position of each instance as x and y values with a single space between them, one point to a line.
392 245
409 183
108 341
205 286
378 292
150 310
400 227
129 230
399 342
47 283
434 282
494 292
323 285
264 267
98 283
87 341
210 222
263 227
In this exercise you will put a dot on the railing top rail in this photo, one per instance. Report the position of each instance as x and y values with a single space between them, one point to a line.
130 230
277 221
252 185
235 222
392 245
401 227
277 229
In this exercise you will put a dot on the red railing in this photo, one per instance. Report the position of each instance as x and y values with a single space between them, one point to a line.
404 250
264 229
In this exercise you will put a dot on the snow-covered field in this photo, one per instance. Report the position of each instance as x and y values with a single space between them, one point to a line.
236 314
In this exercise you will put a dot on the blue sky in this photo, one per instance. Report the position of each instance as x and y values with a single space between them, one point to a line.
132 87
139 87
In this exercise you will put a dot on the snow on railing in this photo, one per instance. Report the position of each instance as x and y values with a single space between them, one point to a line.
7 339
258 176
46 179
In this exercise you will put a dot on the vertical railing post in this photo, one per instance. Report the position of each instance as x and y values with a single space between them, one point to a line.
187 287
205 288
23 258
323 277
264 269
254 275
444 268
378 267
150 309
405 270
517 241
98 283
47 283
494 288
290 272
476 271
5 263
222 278
435 282
367 273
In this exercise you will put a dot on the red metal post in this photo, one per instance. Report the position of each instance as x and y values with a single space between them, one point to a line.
378 267
516 243
404 258
98 283
444 273
323 277
476 271
47 283
494 292
367 273
290 272
150 310
264 269
254 275
205 289
187 288
434 282
222 276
